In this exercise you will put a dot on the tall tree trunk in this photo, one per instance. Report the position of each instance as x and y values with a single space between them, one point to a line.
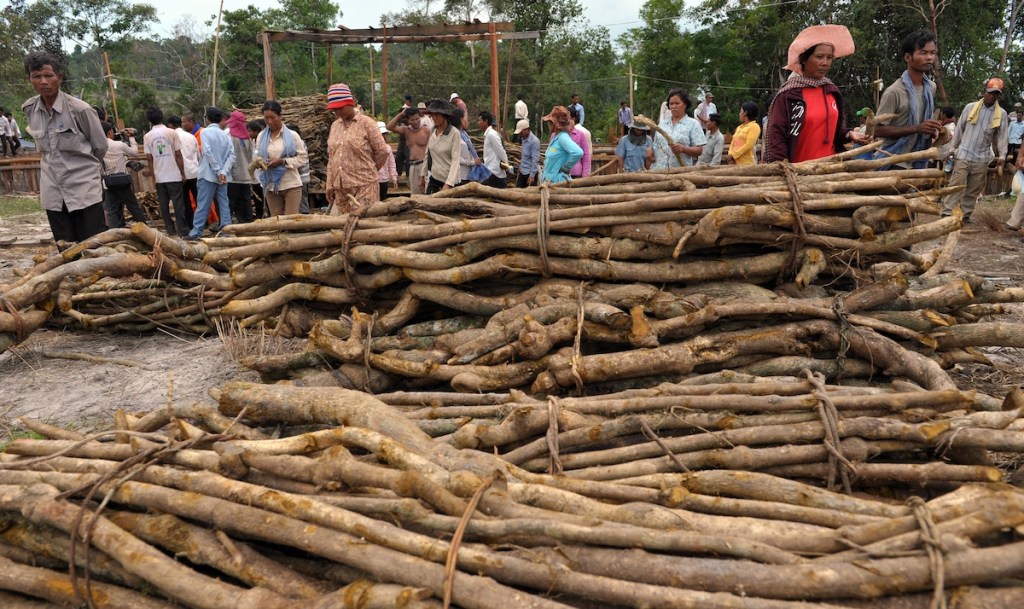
1010 26
937 68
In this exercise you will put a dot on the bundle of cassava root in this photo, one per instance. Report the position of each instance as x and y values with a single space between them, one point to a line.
283 496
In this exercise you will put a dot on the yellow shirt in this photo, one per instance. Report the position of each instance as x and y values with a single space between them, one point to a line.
742 147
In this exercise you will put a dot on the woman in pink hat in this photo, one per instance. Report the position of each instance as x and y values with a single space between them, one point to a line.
805 119
356 151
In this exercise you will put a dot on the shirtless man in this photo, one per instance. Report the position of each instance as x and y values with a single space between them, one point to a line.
407 123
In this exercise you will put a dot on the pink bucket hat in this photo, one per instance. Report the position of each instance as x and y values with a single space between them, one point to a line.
835 35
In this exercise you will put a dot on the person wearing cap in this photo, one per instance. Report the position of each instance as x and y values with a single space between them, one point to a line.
912 100
705 109
562 152
356 151
529 158
805 117
712 152
444 149
982 125
495 157
741 150
409 125
687 136
635 150
388 174
625 116
862 118
461 105
425 119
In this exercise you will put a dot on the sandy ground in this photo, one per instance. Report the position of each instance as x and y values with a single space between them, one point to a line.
142 372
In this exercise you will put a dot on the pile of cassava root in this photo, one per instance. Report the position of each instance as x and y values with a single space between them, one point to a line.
714 388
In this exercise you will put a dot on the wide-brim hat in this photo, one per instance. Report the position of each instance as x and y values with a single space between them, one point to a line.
452 98
559 115
339 95
522 124
439 106
636 125
835 35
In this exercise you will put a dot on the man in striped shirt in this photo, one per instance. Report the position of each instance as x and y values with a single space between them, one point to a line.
982 126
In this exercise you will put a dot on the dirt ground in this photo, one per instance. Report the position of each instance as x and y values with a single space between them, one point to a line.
142 372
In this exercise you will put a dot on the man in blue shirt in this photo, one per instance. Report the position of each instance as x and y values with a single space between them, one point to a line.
579 108
625 117
214 168
635 151
529 163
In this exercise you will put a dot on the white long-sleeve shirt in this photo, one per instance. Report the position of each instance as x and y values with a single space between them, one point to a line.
494 152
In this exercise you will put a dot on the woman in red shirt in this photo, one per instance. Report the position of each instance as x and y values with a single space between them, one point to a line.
805 119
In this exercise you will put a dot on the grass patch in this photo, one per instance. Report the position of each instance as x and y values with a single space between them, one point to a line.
12 206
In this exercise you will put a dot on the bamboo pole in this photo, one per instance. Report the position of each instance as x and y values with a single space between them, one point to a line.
113 96
216 50
494 70
384 71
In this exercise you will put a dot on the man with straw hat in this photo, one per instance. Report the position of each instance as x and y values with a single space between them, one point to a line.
356 151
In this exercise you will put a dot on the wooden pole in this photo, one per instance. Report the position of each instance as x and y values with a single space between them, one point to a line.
268 68
384 72
113 96
373 107
508 85
216 49
494 70
631 88
330 65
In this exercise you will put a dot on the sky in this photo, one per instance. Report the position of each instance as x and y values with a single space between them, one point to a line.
616 15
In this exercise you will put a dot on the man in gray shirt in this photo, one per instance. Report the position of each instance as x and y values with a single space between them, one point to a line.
712 153
982 126
71 145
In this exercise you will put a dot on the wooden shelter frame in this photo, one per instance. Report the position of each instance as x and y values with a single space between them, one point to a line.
465 32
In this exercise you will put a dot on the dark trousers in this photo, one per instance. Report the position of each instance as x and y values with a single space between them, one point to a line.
384 189
434 186
4 146
114 201
240 200
495 181
522 179
171 193
402 157
190 188
75 226
15 144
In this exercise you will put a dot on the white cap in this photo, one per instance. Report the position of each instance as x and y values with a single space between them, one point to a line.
454 95
522 124
382 126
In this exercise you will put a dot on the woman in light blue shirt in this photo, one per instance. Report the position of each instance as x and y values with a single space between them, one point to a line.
562 152
686 133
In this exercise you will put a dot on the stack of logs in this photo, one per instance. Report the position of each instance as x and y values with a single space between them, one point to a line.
721 387
292 497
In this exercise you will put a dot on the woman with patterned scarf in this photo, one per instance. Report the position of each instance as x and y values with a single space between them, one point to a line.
805 119
284 153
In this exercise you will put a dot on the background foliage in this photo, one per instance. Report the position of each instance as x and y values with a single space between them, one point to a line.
735 48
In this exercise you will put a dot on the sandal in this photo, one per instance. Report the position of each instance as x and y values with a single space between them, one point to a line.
1011 228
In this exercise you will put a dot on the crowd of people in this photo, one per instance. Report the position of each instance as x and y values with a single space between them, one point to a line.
232 170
